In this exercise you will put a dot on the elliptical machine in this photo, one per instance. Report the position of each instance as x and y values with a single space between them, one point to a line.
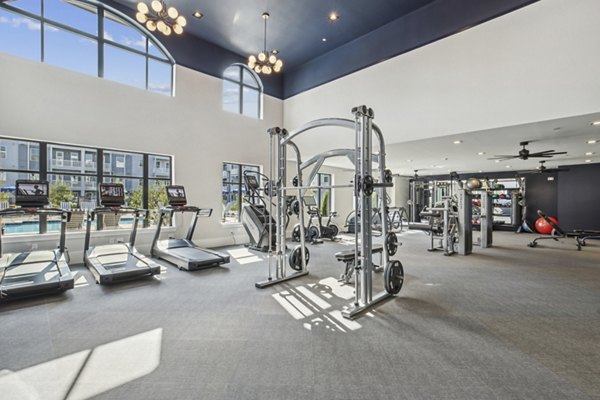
257 220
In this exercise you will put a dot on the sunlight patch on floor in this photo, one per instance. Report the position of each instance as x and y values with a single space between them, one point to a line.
87 373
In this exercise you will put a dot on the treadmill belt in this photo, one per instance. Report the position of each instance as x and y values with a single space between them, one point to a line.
194 254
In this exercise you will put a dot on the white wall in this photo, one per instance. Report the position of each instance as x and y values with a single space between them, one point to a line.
39 101
538 63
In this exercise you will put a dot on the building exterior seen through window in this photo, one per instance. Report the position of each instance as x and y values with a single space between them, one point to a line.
242 91
86 37
234 190
74 173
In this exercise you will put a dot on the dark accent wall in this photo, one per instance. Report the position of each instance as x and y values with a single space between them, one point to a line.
541 194
579 197
433 22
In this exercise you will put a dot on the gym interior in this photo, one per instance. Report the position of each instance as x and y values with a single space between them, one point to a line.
299 200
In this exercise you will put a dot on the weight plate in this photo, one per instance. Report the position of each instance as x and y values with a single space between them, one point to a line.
391 243
296 233
393 276
367 184
296 207
295 257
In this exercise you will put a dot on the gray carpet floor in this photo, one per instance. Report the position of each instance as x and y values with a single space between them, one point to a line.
508 322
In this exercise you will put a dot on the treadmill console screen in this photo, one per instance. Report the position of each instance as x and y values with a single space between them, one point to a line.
112 194
176 195
31 193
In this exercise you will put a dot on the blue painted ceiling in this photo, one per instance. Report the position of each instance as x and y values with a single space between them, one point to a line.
368 32
296 27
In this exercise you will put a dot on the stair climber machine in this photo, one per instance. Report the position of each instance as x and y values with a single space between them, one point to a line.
256 216
111 263
35 272
184 253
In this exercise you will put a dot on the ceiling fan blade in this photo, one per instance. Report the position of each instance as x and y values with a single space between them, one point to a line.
536 155
547 153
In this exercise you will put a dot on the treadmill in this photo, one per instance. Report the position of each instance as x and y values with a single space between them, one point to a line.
121 261
35 272
184 253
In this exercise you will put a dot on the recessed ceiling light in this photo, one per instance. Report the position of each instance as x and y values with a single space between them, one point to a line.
333 16
324 39
497 161
588 160
409 160
480 171
198 14
457 142
596 123
481 153
589 153
593 141
508 166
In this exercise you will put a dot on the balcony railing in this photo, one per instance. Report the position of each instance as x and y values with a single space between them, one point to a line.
72 164
161 171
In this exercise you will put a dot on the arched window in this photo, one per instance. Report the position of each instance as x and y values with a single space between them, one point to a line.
89 37
242 91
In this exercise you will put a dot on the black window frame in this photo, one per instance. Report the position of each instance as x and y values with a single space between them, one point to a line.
43 171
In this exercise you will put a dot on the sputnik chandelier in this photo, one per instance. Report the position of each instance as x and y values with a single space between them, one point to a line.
158 17
265 62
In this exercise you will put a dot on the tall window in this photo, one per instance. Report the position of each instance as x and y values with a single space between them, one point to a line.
242 91
74 173
323 196
234 190
86 37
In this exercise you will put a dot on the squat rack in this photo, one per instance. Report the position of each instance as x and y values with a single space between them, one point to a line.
363 185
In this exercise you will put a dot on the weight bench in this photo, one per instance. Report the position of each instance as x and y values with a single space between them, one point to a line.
580 235
347 257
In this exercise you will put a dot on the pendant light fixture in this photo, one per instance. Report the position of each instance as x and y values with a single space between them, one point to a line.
159 17
265 62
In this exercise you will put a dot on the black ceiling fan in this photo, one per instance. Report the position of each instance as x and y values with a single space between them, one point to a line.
543 169
525 154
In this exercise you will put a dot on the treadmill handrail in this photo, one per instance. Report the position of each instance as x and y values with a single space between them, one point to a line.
113 210
202 212
65 216
117 210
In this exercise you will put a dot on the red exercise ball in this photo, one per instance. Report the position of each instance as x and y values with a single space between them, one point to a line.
543 227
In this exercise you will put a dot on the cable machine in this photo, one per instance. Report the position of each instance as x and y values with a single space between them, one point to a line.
364 184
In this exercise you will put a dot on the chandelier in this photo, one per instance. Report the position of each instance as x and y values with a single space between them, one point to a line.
159 17
265 62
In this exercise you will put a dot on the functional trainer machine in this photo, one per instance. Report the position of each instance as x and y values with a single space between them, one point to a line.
116 262
364 184
184 253
36 272
441 225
